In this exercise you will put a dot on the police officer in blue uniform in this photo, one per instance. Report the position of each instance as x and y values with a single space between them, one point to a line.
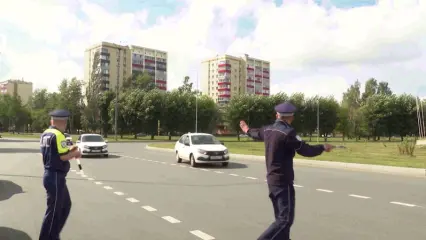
56 155
281 144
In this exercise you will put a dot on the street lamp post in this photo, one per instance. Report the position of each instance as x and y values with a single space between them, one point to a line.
116 94
318 130
196 105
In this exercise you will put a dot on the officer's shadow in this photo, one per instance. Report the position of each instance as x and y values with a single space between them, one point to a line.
13 234
8 189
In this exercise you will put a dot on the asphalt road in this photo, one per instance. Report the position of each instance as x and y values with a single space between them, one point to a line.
143 194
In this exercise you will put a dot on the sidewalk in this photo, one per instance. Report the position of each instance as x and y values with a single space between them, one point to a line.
415 172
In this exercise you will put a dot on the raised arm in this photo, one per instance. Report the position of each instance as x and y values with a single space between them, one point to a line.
255 133
304 149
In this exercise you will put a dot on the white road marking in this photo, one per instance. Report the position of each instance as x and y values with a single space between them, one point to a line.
163 163
83 176
173 164
73 170
149 208
182 166
295 185
132 200
218 172
90 179
403 204
205 170
251 178
324 190
233 174
202 235
107 187
149 160
79 173
119 193
98 183
359 196
170 219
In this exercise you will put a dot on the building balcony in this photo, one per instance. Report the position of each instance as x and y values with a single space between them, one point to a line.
250 80
137 65
224 65
259 93
265 70
161 69
228 95
265 88
224 71
258 81
149 61
224 81
265 77
250 86
265 94
224 88
250 69
162 88
161 81
258 75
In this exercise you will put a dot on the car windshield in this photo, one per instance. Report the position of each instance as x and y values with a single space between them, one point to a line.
204 139
92 138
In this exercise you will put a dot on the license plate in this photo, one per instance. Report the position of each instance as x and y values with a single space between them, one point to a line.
96 150
216 157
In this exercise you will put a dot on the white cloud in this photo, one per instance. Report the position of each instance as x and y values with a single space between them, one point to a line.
311 49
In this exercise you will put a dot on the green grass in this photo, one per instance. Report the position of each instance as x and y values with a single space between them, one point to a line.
378 153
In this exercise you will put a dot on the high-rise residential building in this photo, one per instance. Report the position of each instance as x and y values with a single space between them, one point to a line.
19 88
117 63
225 76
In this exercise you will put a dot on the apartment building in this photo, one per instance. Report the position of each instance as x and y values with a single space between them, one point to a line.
17 88
119 62
225 76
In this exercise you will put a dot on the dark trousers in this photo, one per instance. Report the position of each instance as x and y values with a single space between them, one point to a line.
283 201
58 205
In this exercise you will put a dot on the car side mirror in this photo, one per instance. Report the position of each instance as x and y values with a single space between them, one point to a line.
106 141
78 141
186 144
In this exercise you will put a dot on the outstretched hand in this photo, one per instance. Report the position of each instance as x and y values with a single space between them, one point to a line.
328 147
244 127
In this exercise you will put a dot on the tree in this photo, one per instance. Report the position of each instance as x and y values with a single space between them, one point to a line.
104 103
186 87
328 115
153 110
140 80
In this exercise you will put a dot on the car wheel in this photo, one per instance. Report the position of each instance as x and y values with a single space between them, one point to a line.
193 163
225 164
178 159
106 155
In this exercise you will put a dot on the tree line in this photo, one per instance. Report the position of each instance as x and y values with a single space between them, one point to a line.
142 109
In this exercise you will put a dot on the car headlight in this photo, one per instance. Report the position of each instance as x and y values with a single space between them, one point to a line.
225 151
85 146
202 151
104 146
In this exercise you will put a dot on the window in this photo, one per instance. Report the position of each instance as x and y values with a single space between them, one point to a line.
186 140
204 139
92 138
182 138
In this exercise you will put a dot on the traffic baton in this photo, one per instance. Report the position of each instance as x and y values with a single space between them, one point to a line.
79 164
339 146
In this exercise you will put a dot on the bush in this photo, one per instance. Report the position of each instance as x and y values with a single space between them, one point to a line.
407 146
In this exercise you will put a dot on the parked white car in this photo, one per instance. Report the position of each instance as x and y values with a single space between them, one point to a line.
201 148
92 145
68 138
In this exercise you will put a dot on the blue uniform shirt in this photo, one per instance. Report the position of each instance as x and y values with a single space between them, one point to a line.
52 145
281 145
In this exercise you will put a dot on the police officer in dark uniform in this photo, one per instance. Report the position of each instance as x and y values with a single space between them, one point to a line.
56 155
281 144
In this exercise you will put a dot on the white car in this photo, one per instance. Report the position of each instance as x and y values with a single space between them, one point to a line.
68 138
199 148
92 145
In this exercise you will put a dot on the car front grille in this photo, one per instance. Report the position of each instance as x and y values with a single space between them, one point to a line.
95 148
215 153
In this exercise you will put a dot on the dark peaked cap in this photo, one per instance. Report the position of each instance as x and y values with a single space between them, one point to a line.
285 109
59 114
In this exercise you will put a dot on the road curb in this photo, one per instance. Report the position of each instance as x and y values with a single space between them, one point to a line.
416 172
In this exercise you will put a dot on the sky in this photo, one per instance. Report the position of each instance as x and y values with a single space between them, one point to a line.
315 47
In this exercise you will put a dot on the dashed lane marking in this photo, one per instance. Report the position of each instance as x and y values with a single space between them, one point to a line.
233 174
173 164
205 170
119 193
358 196
299 186
132 200
90 179
403 204
107 187
82 175
218 172
98 183
171 219
163 163
149 208
252 178
324 190
202 235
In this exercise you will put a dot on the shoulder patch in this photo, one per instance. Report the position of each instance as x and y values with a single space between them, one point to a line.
64 144
298 138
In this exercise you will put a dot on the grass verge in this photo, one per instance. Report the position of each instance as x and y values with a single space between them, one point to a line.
377 153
